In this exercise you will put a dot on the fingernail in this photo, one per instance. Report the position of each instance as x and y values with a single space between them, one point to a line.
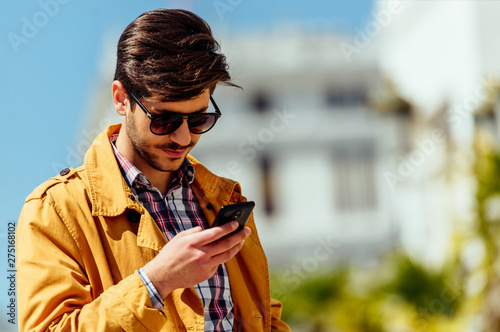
234 225
247 231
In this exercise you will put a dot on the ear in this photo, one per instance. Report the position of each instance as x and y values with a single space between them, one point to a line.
120 98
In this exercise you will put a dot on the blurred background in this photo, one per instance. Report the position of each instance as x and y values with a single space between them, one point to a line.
366 132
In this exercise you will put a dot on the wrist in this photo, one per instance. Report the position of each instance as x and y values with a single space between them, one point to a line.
161 284
154 296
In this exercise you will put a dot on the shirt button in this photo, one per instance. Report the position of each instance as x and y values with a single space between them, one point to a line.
64 171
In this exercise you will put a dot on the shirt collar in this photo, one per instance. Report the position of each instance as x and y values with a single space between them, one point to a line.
133 176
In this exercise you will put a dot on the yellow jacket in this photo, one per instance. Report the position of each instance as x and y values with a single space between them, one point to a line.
78 255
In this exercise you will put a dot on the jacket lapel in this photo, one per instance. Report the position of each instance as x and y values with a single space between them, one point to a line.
109 193
248 270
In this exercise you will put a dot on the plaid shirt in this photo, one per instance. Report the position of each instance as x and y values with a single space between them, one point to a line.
175 212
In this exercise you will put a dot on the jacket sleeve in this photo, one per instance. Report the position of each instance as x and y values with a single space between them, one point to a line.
276 323
54 293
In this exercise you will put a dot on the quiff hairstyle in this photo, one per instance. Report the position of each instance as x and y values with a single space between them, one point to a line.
171 55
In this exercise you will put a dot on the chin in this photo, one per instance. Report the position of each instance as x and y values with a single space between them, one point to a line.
173 164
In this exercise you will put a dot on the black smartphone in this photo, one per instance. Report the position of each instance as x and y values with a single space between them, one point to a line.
238 212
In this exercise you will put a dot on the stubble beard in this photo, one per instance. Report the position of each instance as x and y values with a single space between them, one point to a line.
142 148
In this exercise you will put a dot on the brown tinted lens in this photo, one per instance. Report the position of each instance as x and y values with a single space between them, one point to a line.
201 123
165 125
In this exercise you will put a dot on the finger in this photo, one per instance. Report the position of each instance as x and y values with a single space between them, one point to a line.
222 245
189 231
226 255
213 234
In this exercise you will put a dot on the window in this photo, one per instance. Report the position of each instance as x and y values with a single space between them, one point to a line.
354 167
345 97
267 184
261 102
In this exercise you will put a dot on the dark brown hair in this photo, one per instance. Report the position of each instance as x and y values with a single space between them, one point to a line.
170 54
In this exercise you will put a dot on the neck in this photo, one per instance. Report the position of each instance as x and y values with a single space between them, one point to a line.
160 180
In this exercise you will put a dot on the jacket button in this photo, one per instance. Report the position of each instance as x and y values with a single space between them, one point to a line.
132 197
64 171
210 206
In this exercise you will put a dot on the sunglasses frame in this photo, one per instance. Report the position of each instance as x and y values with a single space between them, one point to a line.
217 114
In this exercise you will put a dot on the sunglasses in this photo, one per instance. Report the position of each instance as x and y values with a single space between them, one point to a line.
164 124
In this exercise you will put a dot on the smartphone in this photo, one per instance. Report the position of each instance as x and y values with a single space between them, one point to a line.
234 212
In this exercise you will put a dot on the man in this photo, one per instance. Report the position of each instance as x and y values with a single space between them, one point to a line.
123 243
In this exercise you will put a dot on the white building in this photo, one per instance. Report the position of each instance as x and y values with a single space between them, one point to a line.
306 146
443 56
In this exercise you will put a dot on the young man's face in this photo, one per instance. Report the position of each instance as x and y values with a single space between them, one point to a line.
163 153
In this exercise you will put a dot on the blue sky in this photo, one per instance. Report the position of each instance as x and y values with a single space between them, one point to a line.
50 51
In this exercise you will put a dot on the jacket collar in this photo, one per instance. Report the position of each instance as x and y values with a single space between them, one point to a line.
109 193
212 185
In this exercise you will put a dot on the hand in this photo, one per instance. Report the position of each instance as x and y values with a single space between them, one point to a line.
193 256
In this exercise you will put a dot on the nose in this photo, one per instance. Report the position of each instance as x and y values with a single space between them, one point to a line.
182 135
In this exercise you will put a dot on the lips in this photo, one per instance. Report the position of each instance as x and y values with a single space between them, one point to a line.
174 153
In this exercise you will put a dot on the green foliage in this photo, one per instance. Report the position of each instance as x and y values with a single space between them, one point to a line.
351 299
487 174
487 226
429 292
359 313
307 299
